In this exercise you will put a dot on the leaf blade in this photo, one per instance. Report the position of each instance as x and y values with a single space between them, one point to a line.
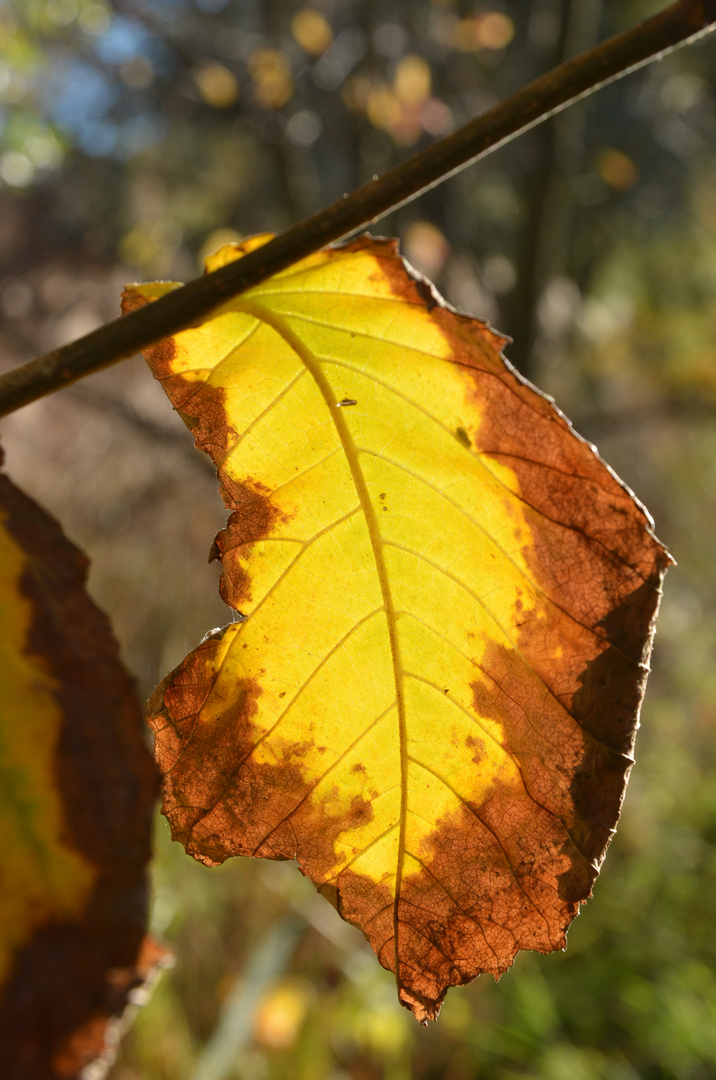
437 561
77 793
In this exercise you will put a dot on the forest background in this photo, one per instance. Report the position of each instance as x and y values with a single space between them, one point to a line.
136 136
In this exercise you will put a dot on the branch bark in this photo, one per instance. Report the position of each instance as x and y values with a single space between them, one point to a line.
677 25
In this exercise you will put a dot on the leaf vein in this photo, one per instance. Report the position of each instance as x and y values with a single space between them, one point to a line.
537 589
361 853
479 456
319 780
491 831
472 918
269 731
313 363
259 416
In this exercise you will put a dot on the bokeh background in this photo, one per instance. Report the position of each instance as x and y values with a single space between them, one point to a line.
137 135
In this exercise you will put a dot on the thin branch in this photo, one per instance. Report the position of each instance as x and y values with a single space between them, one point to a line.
677 25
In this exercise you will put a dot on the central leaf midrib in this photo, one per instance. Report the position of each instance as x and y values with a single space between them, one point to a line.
312 364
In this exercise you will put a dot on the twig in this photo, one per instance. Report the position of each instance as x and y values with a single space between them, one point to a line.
678 24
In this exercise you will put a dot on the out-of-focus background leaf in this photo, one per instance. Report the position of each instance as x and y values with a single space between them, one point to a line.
136 136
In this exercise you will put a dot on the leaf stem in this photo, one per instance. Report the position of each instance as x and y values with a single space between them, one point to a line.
677 25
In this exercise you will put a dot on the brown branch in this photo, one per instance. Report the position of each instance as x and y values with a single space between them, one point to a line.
678 24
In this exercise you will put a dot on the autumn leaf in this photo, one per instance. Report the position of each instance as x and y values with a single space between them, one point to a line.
446 600
76 798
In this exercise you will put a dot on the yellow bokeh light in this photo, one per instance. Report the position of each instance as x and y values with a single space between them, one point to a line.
271 75
494 30
412 80
218 86
281 1014
616 169
491 30
311 31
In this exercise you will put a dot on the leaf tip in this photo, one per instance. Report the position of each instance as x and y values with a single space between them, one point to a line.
424 1009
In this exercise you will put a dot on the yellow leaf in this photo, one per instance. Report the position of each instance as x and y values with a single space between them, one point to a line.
446 601
77 788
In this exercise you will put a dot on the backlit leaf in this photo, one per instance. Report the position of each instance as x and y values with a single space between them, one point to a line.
77 788
430 696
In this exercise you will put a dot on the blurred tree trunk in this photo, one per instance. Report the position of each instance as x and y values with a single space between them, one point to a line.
560 29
